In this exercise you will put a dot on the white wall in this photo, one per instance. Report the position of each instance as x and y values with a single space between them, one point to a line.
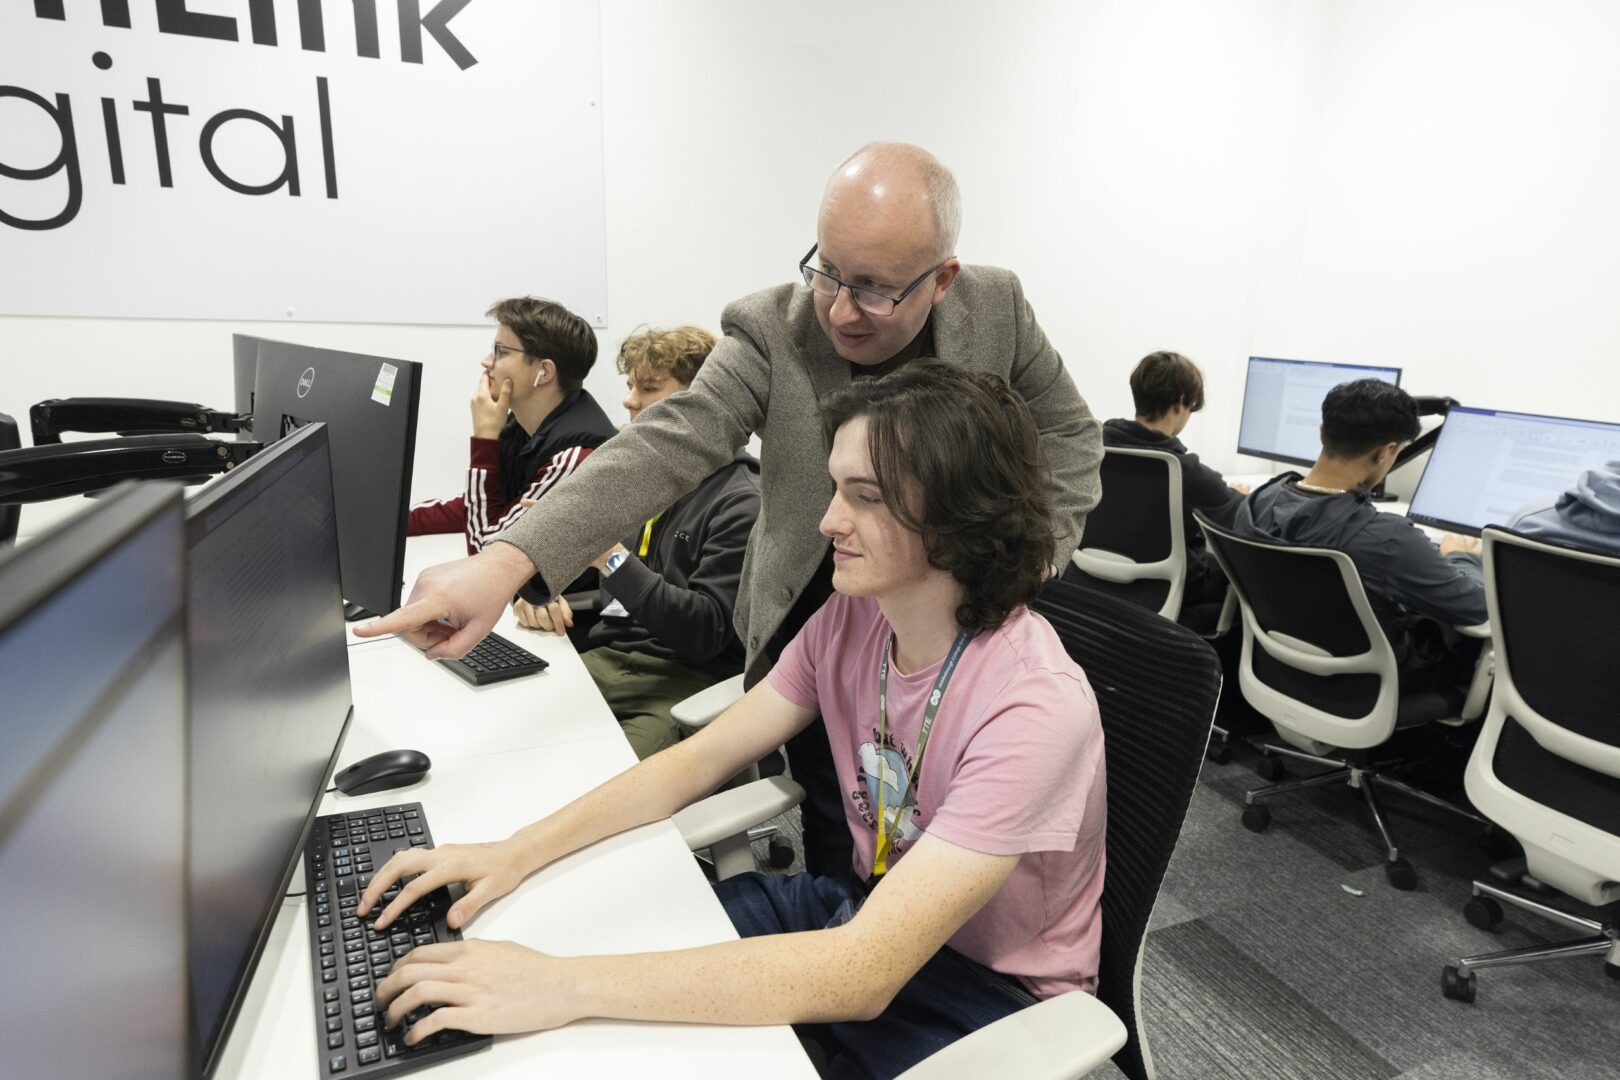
1422 182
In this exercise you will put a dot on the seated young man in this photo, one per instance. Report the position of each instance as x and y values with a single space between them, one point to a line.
667 595
1586 516
978 827
532 420
1167 389
1364 425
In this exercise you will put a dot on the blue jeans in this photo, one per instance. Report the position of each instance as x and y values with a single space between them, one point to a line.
950 997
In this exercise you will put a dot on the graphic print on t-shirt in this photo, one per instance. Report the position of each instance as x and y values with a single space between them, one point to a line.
890 766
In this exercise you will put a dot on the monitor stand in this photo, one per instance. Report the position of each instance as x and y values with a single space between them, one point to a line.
1379 494
353 612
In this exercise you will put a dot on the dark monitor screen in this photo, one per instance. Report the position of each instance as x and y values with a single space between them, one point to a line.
1282 405
1488 465
270 702
369 406
93 794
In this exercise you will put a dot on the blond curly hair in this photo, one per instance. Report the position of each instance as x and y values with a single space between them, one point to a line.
654 352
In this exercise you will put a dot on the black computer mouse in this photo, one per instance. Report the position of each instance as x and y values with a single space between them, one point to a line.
379 772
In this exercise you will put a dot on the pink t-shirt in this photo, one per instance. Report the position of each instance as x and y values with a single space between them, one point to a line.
1013 766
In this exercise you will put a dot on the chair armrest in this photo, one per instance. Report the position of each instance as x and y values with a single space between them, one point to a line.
1060 1038
736 810
696 711
1479 687
1481 630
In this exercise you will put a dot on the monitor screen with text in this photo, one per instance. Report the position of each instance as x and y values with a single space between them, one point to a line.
1282 405
1487 465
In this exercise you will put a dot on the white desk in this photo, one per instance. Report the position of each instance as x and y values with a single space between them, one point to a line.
503 756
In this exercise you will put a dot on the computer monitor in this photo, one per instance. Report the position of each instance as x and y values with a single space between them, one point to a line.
1489 464
369 406
270 703
1282 405
93 793
244 374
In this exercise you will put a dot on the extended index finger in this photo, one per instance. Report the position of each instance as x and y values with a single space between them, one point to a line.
415 616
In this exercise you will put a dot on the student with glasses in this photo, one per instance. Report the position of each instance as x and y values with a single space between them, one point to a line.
970 765
881 287
533 422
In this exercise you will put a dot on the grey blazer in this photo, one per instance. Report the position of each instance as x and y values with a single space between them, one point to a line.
766 375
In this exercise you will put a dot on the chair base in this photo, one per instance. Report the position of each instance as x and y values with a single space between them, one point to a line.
1601 939
1358 774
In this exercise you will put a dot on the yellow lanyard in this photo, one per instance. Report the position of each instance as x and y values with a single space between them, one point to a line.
880 859
646 534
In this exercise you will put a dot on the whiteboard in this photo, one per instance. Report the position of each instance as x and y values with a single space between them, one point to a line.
429 158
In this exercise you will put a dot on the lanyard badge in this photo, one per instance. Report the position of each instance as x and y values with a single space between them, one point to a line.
880 860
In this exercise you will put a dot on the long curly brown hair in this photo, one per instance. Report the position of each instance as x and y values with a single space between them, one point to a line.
958 458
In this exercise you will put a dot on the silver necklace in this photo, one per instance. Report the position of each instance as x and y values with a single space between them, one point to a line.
1319 490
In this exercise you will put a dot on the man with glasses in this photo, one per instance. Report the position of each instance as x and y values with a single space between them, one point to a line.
533 422
881 286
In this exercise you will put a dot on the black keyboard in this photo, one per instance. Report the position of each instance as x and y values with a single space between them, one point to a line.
350 959
493 660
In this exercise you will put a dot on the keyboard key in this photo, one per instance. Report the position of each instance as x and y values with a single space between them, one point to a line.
366 1038
334 1041
370 1056
329 995
365 1023
334 1023
364 1009
334 1009
337 1064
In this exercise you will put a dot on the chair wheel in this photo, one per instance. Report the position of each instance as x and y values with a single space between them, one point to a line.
1270 768
1401 875
1483 912
781 853
1457 986
1219 752
1256 818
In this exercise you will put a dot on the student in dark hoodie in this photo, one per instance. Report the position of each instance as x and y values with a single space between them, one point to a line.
1586 516
1364 425
1168 388
668 590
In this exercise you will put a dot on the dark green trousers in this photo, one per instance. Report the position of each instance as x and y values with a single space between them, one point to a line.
641 690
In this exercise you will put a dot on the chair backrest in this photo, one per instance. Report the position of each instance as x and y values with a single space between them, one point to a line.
1315 661
1135 544
1546 766
10 439
1156 685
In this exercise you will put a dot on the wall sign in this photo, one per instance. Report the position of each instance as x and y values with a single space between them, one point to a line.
351 160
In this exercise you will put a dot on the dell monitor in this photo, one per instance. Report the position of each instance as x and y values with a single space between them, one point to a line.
93 794
270 703
1282 405
368 404
1489 464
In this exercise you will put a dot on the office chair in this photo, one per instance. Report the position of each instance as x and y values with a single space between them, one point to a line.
1135 545
1317 664
1156 685
10 514
727 823
1547 764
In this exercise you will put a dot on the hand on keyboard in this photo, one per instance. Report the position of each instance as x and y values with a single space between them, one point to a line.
488 871
489 987
1451 542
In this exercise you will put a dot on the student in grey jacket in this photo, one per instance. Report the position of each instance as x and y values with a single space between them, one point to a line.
881 286
1364 425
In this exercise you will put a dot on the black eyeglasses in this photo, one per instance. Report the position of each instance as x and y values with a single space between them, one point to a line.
497 350
868 300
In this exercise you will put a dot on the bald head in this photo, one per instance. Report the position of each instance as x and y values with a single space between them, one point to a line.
901 190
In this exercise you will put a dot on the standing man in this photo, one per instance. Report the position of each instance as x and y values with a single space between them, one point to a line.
881 286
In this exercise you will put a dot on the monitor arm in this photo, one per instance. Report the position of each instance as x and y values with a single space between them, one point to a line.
128 416
41 473
1426 406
